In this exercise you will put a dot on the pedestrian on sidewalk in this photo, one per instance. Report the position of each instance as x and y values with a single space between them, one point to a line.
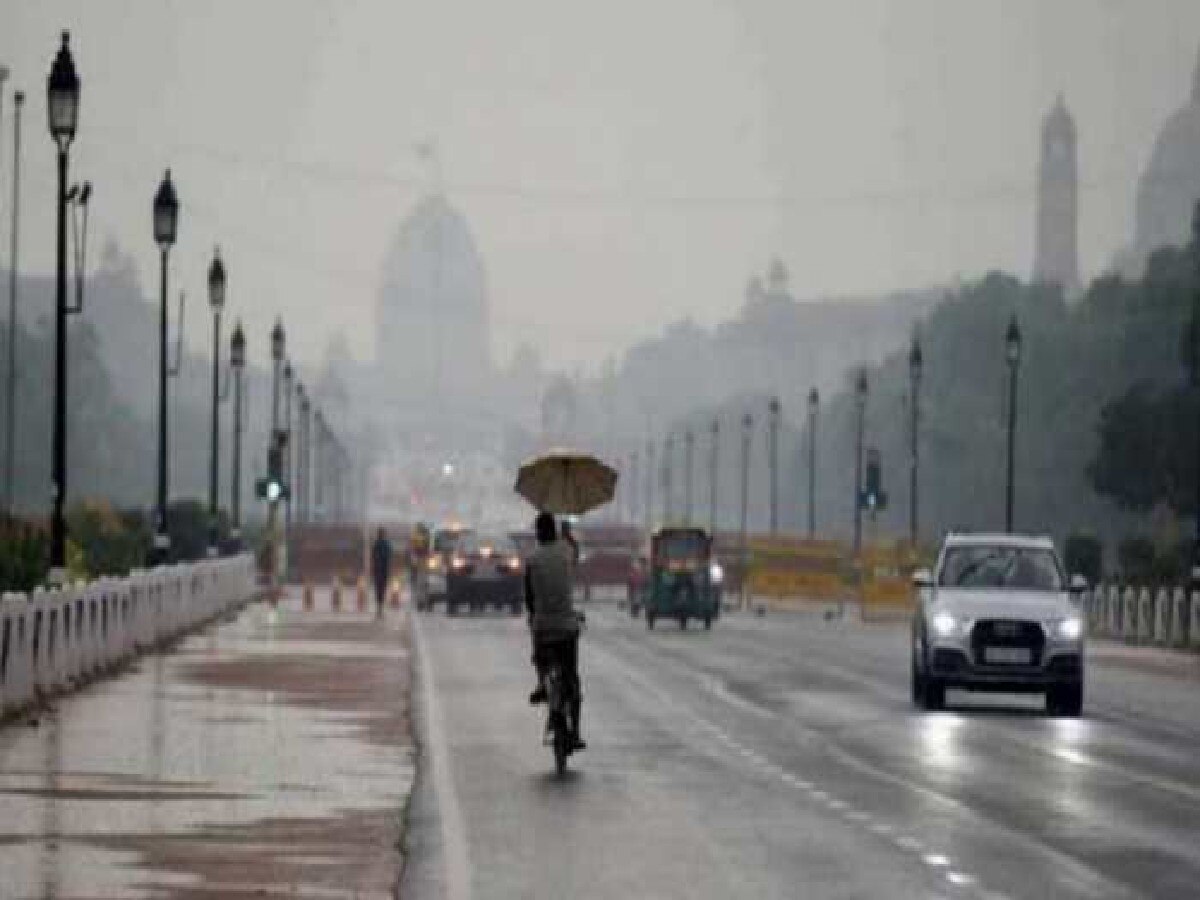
381 569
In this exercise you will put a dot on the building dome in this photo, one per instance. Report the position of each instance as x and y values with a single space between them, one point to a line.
1169 187
433 334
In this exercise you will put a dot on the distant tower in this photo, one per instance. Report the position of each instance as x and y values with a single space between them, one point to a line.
1056 254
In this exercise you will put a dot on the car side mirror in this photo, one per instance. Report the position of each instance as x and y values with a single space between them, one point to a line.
922 579
1077 585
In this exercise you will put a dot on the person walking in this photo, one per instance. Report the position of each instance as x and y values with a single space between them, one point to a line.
381 569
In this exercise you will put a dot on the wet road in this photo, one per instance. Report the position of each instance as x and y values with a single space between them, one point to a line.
268 756
781 757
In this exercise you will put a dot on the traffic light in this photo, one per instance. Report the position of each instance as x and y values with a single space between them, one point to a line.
272 488
873 497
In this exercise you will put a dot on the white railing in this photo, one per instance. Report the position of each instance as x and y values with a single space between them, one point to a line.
51 641
1167 617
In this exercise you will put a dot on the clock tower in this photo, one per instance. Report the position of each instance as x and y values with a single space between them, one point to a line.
1056 253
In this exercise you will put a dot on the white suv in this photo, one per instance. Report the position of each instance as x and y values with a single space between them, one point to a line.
998 614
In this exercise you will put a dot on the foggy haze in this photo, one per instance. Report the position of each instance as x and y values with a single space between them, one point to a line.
621 167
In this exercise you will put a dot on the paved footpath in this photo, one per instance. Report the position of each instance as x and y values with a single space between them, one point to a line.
267 756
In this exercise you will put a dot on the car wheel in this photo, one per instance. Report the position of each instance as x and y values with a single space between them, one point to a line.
934 698
451 609
515 607
683 623
649 621
708 623
1065 700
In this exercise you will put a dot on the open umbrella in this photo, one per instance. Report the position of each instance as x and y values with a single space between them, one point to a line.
566 483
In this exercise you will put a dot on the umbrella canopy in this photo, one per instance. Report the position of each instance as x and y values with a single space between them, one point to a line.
566 483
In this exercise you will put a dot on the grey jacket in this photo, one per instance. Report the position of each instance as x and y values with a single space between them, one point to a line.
550 579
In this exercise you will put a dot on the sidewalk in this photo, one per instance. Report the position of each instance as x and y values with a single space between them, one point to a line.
268 756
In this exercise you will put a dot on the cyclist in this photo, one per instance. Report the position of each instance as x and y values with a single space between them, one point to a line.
549 576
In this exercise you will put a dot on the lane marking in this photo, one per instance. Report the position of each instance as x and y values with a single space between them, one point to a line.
454 844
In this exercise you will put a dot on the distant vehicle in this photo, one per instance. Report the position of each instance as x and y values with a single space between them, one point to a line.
998 614
485 572
446 542
684 579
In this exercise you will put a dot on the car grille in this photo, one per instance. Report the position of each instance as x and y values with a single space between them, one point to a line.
1007 633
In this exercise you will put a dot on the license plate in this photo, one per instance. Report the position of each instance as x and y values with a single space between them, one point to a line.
1008 656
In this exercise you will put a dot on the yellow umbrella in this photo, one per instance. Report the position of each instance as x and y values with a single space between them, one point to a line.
566 483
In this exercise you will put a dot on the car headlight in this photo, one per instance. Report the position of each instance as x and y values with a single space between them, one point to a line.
434 563
458 563
944 624
715 573
1069 629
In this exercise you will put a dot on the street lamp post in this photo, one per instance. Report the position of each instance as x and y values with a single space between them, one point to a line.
714 446
744 530
288 375
166 221
302 458
649 485
62 104
916 362
275 457
216 299
668 493
814 403
860 400
689 452
13 267
237 361
319 466
1012 355
773 415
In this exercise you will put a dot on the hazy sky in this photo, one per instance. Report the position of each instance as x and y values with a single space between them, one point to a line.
623 164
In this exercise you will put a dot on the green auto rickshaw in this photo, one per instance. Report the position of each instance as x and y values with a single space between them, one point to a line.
684 581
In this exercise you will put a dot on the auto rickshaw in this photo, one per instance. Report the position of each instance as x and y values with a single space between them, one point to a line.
684 581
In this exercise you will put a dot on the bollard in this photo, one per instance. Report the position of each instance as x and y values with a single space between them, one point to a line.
394 593
1144 632
308 596
1162 617
1193 635
335 595
1179 622
362 593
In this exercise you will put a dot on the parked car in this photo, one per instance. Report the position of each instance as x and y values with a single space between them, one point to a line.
998 614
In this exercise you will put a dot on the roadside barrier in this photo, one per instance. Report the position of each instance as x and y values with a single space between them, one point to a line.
335 594
54 640
1166 617
361 592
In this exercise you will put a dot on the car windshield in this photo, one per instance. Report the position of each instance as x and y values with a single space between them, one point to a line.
451 541
683 545
1016 568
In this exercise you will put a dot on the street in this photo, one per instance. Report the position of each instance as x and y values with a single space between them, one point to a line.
781 757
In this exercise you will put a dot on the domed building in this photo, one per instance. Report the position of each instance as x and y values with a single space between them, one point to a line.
433 336
1169 187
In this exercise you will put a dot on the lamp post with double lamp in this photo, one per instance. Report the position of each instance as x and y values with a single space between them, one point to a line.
814 404
860 402
237 361
773 416
916 362
1012 355
166 221
62 104
216 299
